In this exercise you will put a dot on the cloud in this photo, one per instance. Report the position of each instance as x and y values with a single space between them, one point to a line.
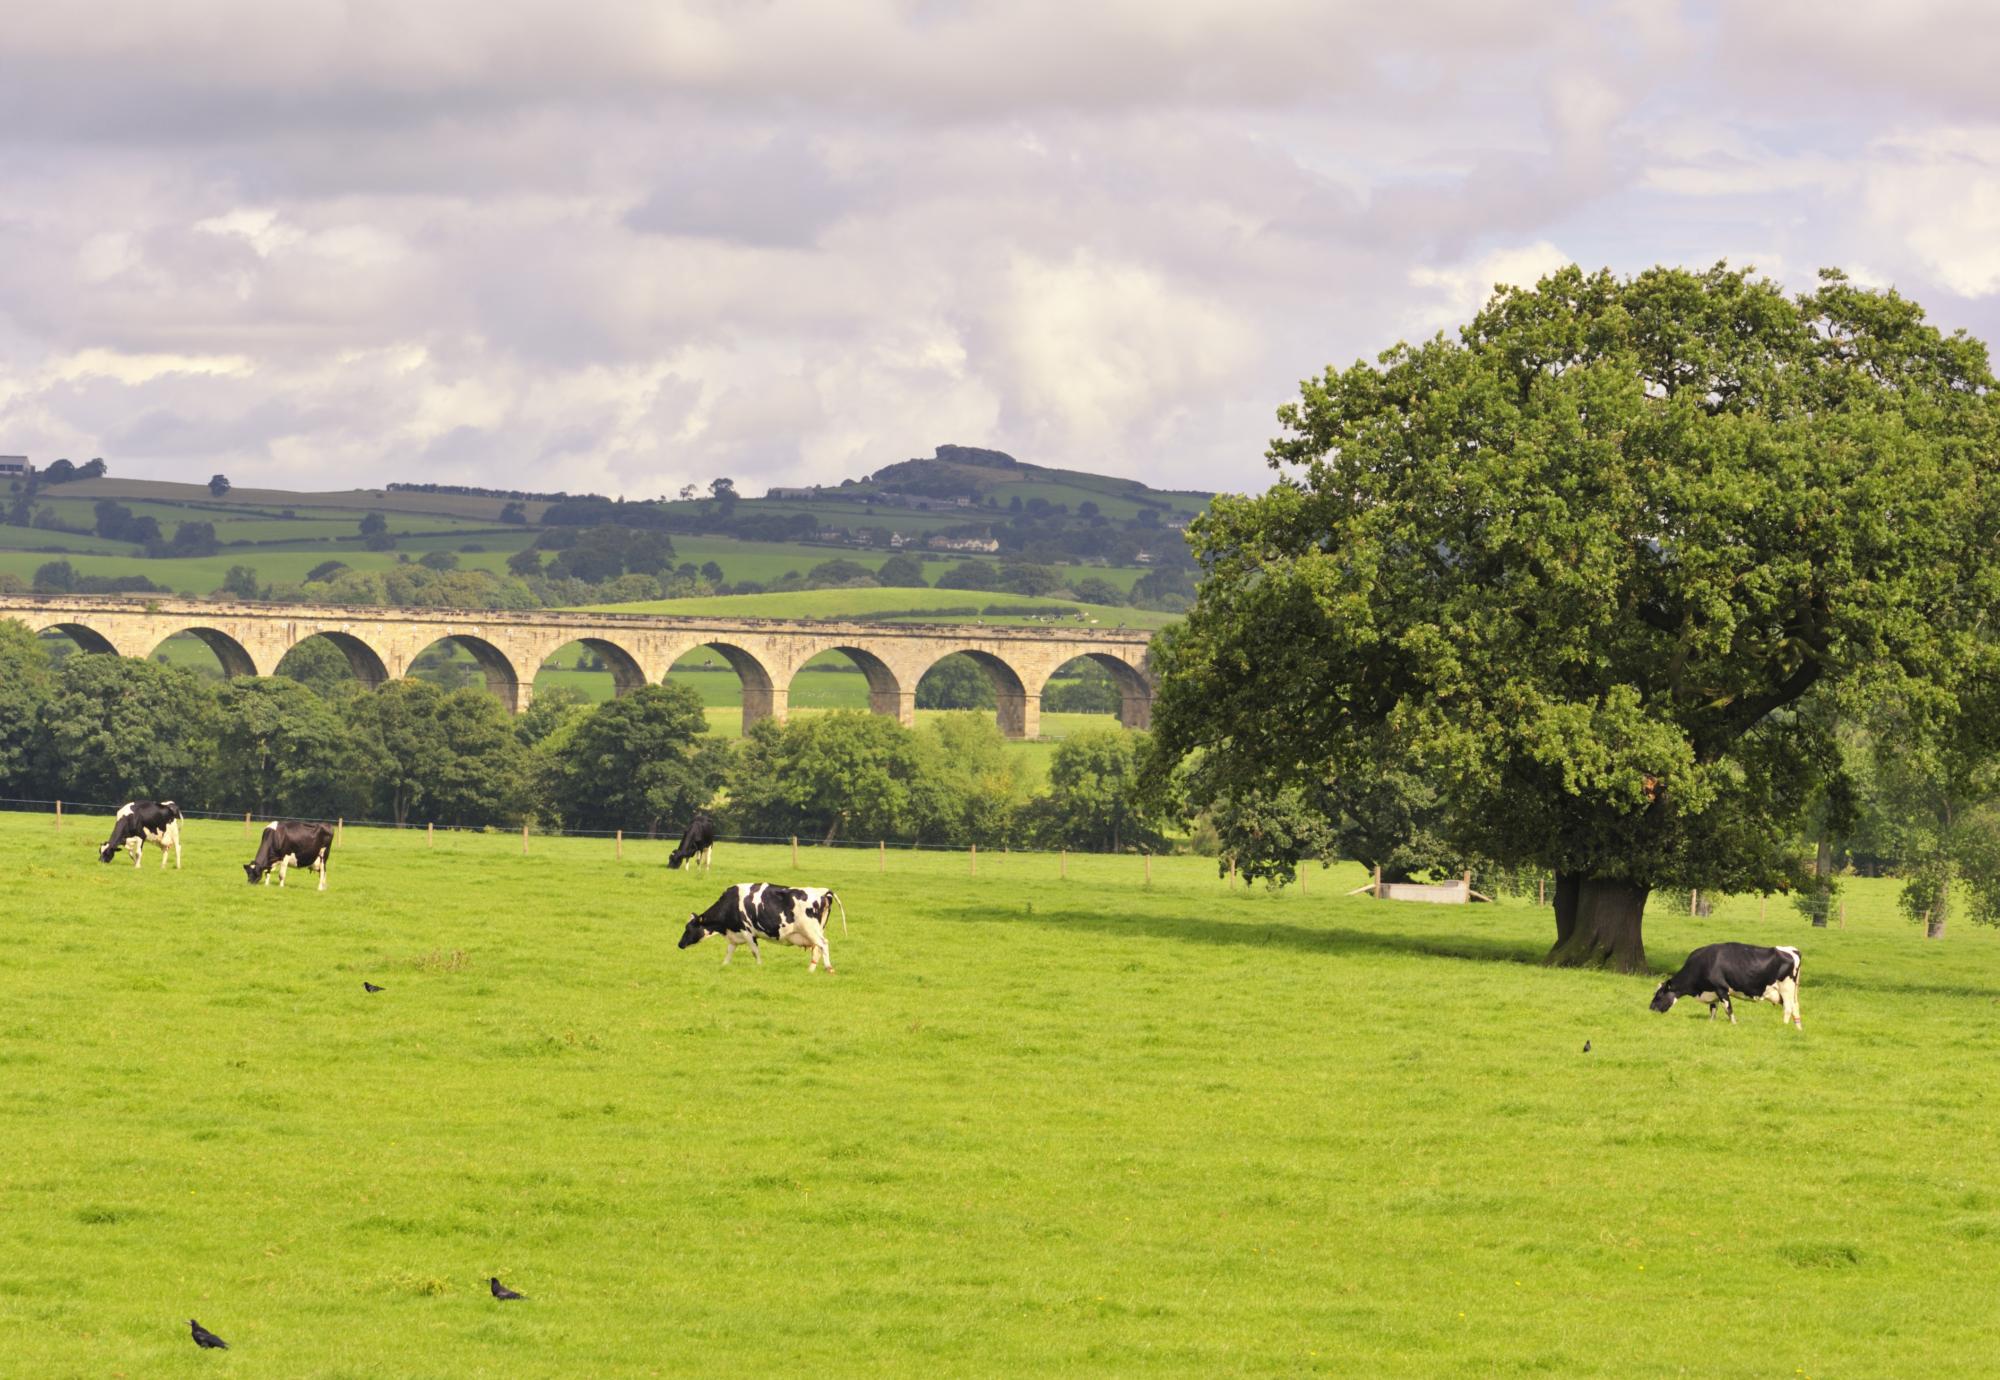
629 245
1458 291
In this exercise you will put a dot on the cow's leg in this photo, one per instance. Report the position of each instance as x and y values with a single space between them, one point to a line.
138 847
284 866
320 867
1730 1007
177 846
1790 991
730 952
755 950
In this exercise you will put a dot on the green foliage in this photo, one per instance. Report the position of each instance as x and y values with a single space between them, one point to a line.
1023 578
1093 800
956 682
218 485
55 577
1088 690
485 777
972 788
119 729
969 575
840 572
374 525
902 571
1095 589
240 583
27 682
1582 559
639 762
321 667
398 732
846 774
282 751
439 560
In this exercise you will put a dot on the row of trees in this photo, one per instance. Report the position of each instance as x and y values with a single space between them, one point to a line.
313 744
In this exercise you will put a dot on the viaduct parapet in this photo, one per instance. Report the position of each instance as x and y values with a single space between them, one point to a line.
251 638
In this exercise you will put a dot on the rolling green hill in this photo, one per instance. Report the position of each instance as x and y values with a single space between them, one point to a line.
1087 527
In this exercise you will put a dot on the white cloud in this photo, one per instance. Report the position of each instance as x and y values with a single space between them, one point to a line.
1458 291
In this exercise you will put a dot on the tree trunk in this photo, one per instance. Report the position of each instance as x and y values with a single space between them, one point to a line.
1565 901
1940 912
1605 926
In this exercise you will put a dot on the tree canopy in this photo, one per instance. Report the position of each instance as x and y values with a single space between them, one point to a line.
1579 563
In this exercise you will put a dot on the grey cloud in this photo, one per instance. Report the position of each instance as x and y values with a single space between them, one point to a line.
642 244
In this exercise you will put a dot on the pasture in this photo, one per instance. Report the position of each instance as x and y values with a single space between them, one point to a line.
1034 1125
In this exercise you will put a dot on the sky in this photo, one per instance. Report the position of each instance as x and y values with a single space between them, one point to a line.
622 247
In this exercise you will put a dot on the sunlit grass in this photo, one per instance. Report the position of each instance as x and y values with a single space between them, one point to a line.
1033 1125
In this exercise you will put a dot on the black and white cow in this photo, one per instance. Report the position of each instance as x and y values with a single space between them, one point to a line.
287 842
141 822
698 843
789 914
1713 971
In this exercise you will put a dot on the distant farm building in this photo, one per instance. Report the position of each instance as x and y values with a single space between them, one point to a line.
791 493
986 544
15 467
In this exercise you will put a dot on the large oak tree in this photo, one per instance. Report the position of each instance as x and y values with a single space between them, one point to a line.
1578 565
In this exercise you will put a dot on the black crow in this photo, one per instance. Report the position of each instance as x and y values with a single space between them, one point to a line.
1586 1046
204 1338
368 986
501 1291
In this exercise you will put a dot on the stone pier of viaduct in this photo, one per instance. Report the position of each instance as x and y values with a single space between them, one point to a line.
251 638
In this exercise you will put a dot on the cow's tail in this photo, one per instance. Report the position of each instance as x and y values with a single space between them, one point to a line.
843 912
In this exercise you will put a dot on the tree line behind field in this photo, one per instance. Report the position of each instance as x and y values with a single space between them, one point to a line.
567 568
105 729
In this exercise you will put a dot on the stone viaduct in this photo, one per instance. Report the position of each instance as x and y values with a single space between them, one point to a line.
380 643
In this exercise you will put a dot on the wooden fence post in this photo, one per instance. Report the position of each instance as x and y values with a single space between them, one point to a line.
881 856
618 845
1541 891
1694 902
524 840
246 823
1302 881
1062 864
795 852
340 828
58 814
1378 881
1149 868
975 860
430 836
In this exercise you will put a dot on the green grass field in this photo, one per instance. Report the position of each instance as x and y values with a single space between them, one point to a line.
1033 1126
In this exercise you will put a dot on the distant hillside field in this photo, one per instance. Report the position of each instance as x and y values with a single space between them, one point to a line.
919 605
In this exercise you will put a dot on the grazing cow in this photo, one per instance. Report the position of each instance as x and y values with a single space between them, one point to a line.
788 914
141 822
697 843
1713 971
288 842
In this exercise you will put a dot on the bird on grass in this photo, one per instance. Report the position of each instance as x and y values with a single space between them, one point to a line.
1586 1046
368 986
206 1339
502 1292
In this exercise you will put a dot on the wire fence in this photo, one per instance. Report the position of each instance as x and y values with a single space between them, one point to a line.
65 809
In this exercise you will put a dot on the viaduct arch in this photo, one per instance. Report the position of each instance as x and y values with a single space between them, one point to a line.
379 644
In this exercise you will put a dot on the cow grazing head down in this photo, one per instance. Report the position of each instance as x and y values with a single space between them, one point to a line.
693 934
1664 998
